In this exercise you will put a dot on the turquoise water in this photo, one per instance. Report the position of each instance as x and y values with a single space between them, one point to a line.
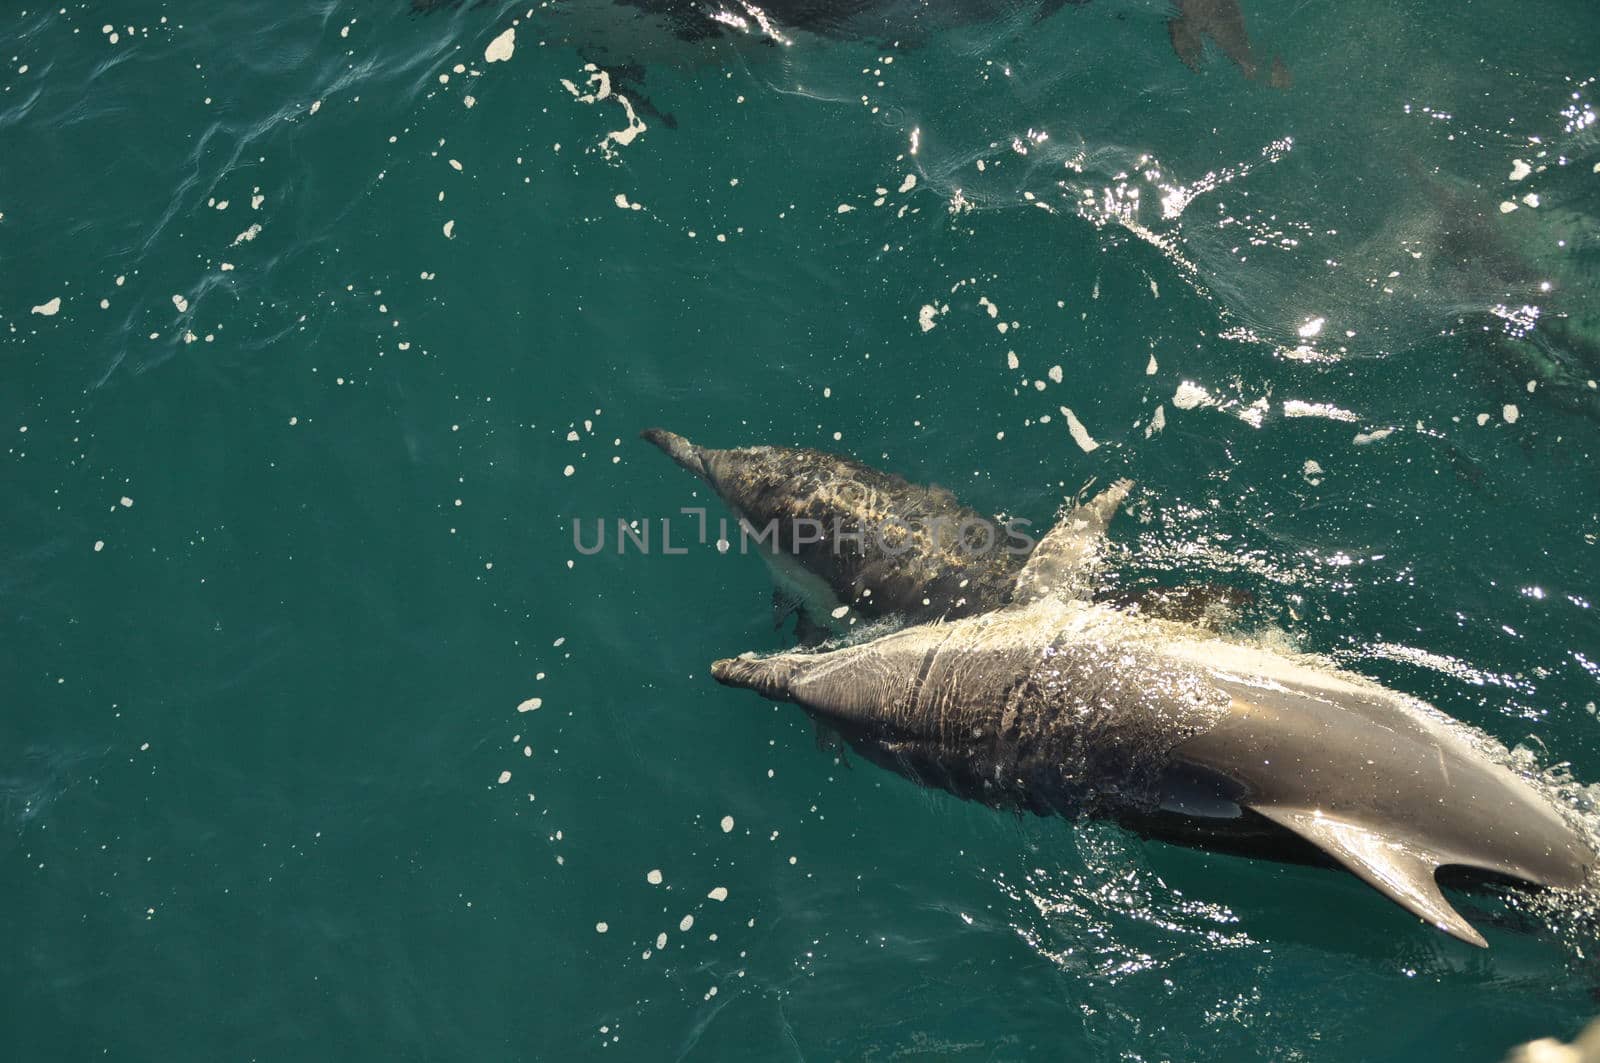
288 538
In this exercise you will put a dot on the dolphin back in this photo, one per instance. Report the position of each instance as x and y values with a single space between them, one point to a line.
880 544
1036 709
1386 785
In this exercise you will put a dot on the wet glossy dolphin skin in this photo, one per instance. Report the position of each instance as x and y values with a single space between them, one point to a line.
920 554
1054 705
933 573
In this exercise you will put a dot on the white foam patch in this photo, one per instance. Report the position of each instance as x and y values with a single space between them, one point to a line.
1255 413
1191 395
49 309
926 316
1297 408
502 47
1364 438
599 85
1519 169
1080 434
599 88
1444 665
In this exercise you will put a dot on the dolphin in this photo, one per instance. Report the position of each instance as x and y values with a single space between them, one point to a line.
947 565
621 35
1055 705
852 539
1223 22
1532 275
953 562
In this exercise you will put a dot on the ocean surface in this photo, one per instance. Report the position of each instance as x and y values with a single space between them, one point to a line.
321 324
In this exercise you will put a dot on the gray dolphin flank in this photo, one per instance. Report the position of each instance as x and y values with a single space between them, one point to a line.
1057 705
929 574
884 546
1032 708
924 555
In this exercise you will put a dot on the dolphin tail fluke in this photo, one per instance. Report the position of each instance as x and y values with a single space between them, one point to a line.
678 449
1395 869
768 676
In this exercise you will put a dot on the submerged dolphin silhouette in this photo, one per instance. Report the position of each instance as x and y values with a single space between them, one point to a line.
1223 22
773 22
1058 705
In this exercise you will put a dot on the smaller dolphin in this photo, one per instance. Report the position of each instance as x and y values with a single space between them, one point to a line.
952 561
1056 705
848 536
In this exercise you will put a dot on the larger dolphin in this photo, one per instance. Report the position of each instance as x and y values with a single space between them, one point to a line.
1054 704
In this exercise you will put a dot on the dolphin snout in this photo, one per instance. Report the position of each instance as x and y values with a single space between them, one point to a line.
770 677
678 449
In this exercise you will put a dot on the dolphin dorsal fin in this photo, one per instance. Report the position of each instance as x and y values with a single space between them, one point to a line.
1398 871
1062 565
